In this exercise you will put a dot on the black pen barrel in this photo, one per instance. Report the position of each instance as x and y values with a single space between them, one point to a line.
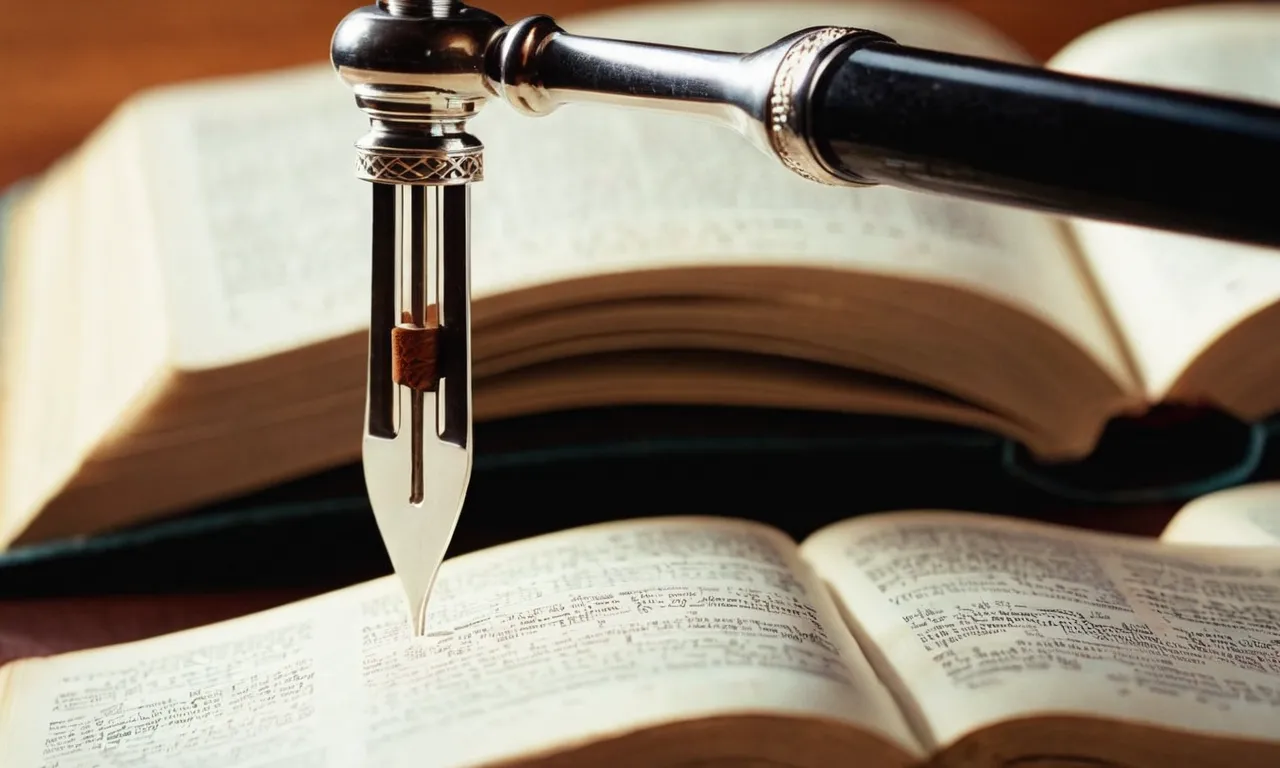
1037 138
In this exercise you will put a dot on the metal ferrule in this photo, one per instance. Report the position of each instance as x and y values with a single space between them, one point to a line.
535 66
415 69
420 70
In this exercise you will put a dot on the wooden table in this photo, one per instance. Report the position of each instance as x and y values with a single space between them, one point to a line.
66 65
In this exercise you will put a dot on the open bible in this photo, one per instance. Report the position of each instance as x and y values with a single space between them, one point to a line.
186 296
895 639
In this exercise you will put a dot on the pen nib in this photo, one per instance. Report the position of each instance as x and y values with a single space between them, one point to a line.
417 440
421 162
416 535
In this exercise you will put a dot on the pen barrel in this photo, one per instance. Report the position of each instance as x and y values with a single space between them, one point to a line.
1035 138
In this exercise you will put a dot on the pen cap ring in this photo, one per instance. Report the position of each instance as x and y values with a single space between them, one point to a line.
416 69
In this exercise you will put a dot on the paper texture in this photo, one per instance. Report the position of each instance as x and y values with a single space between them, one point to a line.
532 646
1176 294
987 619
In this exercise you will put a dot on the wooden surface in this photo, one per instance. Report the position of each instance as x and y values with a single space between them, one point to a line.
65 66
43 627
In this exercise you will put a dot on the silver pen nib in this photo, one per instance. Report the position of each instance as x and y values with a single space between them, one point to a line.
415 68
416 533
417 442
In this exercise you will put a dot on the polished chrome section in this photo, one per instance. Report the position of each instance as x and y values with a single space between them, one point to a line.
535 66
422 68
416 69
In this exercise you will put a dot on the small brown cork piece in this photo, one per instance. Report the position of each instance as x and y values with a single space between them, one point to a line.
413 353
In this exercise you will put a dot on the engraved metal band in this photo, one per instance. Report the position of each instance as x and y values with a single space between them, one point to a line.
437 168
789 94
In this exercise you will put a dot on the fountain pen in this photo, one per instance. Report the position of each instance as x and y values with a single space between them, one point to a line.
839 106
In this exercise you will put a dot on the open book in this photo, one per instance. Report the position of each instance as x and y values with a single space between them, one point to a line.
1248 515
185 297
898 638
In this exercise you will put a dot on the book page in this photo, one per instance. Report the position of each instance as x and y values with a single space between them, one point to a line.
533 646
985 618
75 355
1245 516
269 229
1174 294
263 228
39 443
